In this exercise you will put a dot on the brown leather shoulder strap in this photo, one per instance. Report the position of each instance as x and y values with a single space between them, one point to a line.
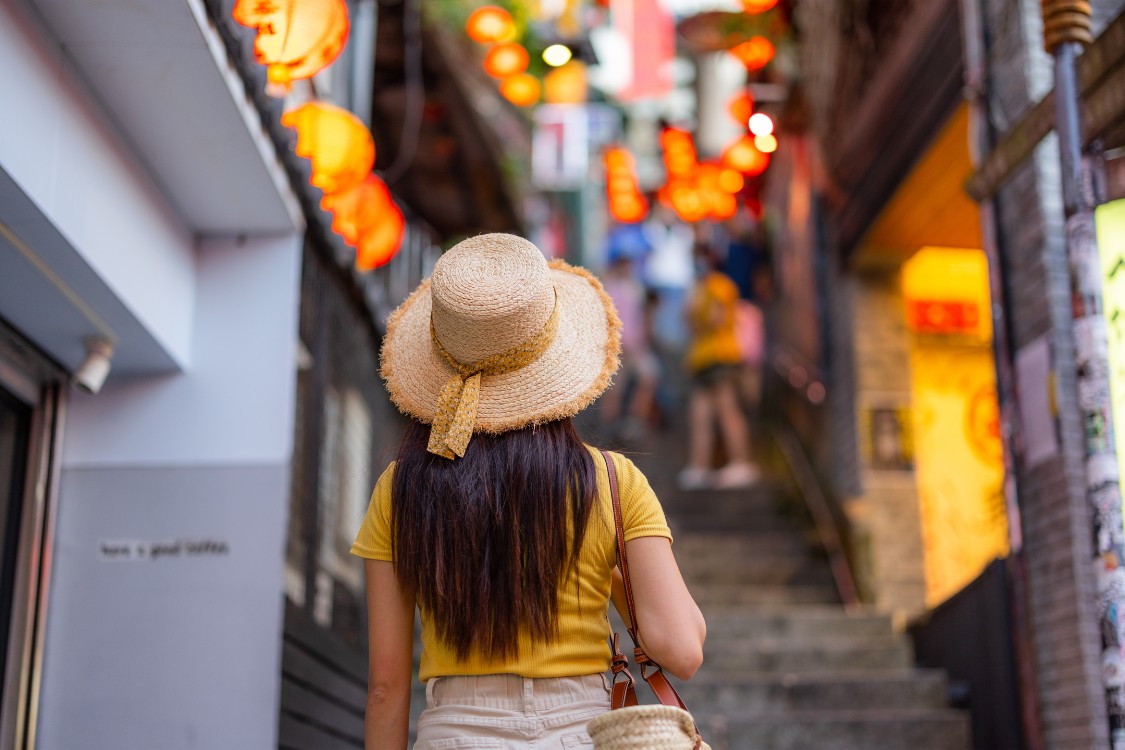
624 694
622 556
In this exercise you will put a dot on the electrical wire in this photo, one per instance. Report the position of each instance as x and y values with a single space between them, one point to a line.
415 85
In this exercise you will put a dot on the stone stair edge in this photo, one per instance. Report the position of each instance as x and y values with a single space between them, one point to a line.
904 674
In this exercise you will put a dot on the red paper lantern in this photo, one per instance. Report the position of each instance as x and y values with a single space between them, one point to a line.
505 60
743 156
741 107
340 148
757 6
490 24
522 90
296 38
754 53
381 241
359 207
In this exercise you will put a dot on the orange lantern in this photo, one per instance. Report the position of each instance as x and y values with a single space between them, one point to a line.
723 206
757 6
744 156
340 148
490 24
688 203
522 89
359 207
505 60
680 159
566 84
741 108
731 181
754 53
296 38
381 241
626 203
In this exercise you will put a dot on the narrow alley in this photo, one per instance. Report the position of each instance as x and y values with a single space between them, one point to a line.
841 277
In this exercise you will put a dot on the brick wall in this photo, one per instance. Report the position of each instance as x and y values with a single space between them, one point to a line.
885 515
1056 525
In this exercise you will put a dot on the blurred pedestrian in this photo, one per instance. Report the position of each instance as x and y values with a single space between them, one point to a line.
492 518
715 360
640 369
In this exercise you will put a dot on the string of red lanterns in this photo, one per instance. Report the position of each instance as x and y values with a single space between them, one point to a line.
627 204
297 39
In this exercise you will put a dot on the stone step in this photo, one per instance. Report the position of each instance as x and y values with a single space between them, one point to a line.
757 504
709 694
703 522
726 544
839 730
764 569
806 655
796 622
711 593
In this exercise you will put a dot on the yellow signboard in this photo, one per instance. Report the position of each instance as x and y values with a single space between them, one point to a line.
1111 247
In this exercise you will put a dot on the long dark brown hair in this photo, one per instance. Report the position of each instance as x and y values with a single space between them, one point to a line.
485 540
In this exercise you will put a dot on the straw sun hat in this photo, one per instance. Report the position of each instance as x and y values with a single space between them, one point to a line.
497 339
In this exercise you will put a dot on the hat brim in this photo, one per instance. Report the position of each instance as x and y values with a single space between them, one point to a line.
574 370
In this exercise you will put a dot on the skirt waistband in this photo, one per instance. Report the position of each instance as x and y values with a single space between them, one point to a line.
515 693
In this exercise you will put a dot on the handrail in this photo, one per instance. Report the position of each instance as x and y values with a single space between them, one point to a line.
823 518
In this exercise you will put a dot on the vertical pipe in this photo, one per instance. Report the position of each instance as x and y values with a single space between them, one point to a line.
1066 27
980 142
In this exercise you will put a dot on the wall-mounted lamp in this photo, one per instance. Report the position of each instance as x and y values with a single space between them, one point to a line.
91 374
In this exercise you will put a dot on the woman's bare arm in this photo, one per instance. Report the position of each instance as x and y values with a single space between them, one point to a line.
390 617
672 629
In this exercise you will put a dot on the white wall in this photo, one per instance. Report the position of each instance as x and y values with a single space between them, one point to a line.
57 145
235 404
181 652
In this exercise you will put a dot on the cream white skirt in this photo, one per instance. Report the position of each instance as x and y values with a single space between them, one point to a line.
508 712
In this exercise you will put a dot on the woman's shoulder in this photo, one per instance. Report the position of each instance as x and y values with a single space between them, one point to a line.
626 469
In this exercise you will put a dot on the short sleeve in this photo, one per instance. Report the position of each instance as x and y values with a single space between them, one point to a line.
374 539
641 511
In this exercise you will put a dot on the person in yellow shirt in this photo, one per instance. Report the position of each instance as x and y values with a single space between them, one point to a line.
715 360
495 519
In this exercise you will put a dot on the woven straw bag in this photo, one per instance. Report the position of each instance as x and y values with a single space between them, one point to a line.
629 726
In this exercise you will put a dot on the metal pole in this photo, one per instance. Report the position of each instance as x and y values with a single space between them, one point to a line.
1066 26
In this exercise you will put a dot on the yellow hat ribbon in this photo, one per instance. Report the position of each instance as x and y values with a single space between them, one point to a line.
455 417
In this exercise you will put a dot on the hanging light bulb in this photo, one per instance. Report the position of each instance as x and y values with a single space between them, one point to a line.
296 38
490 24
340 148
767 144
760 124
557 55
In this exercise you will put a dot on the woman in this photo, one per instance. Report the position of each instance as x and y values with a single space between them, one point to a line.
715 360
495 517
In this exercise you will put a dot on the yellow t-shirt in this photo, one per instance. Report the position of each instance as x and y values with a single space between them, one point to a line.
711 313
580 646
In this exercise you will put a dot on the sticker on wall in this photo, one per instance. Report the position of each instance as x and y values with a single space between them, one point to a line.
153 550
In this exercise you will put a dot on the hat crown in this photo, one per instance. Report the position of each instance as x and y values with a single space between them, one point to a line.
489 294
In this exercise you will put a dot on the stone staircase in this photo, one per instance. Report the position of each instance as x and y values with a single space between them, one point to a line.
786 667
